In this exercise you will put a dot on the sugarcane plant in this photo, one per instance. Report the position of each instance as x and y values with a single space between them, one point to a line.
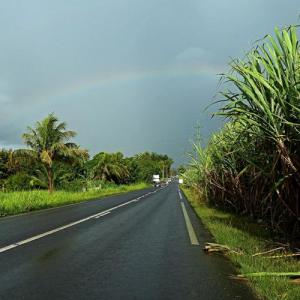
254 160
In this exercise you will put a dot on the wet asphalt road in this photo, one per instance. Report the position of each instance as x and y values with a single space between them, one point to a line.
141 250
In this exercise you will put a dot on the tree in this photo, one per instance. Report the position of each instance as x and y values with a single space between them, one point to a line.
181 170
49 143
152 163
110 167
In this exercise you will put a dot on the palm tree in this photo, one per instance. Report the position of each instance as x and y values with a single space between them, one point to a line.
110 167
165 166
48 141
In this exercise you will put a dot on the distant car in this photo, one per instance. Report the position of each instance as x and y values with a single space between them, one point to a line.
156 180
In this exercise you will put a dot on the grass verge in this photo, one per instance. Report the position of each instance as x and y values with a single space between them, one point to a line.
13 203
240 233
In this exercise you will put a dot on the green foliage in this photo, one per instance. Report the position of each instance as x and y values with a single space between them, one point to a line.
49 143
19 202
114 167
54 161
181 169
5 170
252 165
18 182
12 162
110 167
134 170
153 163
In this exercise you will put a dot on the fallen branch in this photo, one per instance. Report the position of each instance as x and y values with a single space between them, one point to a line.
213 247
233 277
272 274
284 255
269 251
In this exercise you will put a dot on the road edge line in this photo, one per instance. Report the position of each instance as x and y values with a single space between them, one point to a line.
189 226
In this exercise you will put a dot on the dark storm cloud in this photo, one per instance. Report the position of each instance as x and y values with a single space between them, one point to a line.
127 75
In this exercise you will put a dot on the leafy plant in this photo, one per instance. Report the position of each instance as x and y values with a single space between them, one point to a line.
252 165
49 143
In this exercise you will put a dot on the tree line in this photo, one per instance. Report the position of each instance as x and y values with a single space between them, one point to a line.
52 161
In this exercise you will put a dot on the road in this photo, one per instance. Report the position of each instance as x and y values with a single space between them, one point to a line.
141 245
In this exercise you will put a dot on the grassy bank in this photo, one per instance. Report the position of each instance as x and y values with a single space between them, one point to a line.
241 234
19 202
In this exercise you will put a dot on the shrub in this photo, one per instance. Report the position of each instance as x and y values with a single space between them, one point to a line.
18 182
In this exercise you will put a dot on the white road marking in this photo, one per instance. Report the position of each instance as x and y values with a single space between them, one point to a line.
95 216
8 247
102 215
180 196
189 226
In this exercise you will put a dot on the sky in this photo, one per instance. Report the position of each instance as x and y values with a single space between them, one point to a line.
126 75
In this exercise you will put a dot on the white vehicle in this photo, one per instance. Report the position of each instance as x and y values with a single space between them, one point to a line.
155 180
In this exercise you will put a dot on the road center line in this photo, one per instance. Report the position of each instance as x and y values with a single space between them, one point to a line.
189 226
94 216
102 215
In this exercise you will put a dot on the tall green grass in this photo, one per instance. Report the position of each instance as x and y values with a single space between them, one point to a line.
12 203
252 166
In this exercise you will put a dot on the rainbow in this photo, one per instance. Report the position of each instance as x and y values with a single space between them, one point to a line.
109 78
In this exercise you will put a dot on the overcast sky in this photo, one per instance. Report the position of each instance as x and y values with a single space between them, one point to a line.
128 75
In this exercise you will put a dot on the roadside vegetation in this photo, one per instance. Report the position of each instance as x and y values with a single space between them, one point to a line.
12 203
252 165
245 182
249 238
53 170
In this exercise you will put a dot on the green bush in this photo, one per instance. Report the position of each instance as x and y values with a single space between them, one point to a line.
76 185
18 182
